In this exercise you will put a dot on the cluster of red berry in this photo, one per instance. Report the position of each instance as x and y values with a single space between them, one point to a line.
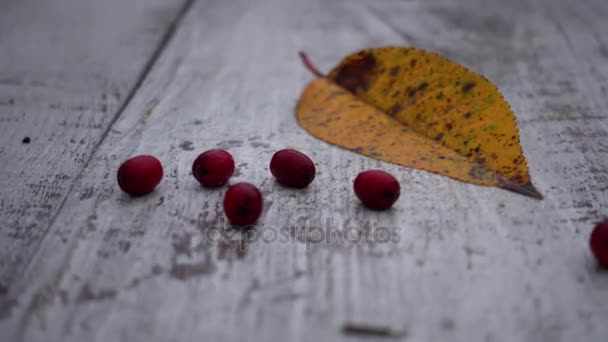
243 202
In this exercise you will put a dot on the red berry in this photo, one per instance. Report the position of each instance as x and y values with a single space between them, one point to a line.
599 243
140 175
243 204
292 168
213 168
377 189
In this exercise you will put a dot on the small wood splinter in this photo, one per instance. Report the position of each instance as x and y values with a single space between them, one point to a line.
372 330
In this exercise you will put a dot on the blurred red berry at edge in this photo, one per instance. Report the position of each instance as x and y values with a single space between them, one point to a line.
213 168
598 241
377 189
292 168
139 175
243 204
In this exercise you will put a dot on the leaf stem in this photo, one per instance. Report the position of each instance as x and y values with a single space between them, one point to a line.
308 64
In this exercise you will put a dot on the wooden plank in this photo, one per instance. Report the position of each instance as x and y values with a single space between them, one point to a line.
66 68
465 263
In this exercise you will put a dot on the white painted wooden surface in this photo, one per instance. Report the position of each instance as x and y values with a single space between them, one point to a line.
464 263
66 68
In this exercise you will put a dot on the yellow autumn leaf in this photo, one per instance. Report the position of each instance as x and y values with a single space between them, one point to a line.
417 109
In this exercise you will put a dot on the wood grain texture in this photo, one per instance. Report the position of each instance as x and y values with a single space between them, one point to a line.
66 68
450 262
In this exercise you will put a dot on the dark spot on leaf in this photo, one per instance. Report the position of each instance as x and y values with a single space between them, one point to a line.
357 73
467 115
333 95
411 91
395 109
439 136
467 87
478 171
413 63
448 126
439 96
395 70
423 86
